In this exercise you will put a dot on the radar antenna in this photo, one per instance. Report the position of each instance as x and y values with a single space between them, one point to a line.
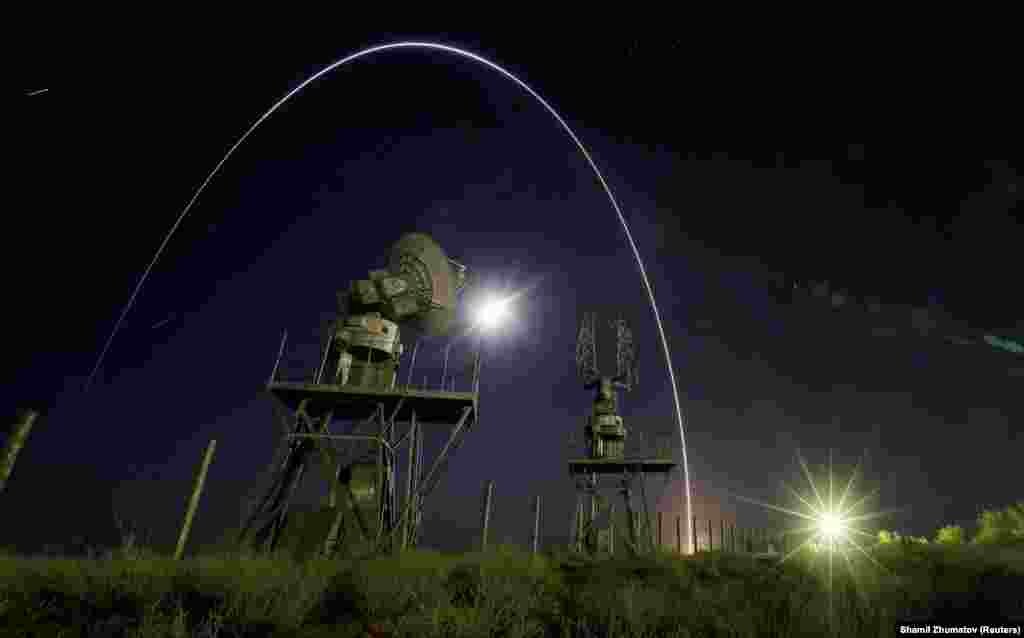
586 350
625 355
605 457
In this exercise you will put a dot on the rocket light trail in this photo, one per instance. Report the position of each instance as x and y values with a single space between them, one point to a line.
494 66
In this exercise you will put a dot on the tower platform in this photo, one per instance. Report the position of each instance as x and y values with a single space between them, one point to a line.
620 466
350 402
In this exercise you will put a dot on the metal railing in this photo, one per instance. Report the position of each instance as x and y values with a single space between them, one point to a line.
439 372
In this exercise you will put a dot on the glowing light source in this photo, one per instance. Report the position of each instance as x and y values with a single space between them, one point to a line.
832 521
491 313
831 527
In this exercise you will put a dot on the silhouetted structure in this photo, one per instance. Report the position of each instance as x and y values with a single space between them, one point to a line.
355 389
606 466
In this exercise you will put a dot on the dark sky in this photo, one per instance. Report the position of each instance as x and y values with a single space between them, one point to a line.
732 170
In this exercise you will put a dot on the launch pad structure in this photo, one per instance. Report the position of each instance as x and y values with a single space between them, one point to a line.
606 468
355 421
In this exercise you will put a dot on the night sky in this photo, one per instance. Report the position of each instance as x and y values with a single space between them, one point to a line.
734 175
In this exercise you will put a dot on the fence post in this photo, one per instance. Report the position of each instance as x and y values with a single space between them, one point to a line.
536 523
15 441
693 534
659 530
193 501
721 534
732 536
711 542
486 517
679 535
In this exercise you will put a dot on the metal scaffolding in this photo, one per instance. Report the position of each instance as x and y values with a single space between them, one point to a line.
606 466
350 428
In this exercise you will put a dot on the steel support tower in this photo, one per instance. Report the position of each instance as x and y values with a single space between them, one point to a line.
606 468
355 421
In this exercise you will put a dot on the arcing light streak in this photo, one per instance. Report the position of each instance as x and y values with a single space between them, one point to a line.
525 87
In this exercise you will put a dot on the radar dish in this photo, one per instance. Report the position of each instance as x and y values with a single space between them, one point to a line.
433 278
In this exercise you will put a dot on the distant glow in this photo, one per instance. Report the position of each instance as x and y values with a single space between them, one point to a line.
492 313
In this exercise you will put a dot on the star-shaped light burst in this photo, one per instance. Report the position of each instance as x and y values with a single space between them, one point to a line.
831 524
832 527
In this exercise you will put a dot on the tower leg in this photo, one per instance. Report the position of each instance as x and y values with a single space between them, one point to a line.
578 522
332 535
611 529
648 537
410 470
631 520
262 529
417 476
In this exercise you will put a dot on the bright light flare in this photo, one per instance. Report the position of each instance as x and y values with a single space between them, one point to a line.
831 527
831 524
492 313
831 520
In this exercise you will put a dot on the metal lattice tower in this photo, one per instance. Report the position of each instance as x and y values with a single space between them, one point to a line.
355 417
606 466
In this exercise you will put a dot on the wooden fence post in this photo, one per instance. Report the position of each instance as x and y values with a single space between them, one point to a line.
193 501
486 516
711 542
536 523
679 535
15 441
659 529
693 534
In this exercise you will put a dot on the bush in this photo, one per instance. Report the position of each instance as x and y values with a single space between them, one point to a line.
950 535
507 592
886 537
889 538
997 527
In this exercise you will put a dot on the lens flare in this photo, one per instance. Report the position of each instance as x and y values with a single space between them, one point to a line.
508 74
491 313
831 522
831 526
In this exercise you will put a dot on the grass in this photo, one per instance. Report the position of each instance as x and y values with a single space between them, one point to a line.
507 592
